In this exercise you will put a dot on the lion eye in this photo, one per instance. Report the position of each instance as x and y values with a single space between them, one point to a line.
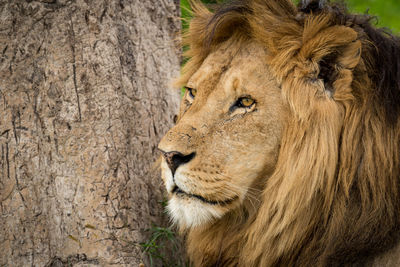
245 102
192 91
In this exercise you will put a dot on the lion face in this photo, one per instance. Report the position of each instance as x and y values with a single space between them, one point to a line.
227 138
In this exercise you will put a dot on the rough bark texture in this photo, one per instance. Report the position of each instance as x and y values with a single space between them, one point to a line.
83 103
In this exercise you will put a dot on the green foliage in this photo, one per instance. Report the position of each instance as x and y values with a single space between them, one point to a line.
152 247
386 11
185 13
160 239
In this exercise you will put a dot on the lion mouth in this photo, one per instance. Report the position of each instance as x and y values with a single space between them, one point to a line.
179 191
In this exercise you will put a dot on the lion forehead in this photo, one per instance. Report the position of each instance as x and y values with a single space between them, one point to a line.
229 67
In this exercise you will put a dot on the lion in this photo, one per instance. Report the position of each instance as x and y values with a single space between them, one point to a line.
286 147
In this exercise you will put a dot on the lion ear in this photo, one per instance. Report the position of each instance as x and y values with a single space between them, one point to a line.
331 51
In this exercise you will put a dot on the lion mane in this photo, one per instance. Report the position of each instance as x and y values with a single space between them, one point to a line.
333 198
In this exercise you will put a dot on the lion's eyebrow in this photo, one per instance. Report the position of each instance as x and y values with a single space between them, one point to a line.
191 84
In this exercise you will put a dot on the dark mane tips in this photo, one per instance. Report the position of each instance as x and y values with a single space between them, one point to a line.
385 57
312 6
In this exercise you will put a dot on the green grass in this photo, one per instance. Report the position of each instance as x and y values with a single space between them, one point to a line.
155 244
386 11
160 239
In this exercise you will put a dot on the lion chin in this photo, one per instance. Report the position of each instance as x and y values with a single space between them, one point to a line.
189 213
286 147
189 210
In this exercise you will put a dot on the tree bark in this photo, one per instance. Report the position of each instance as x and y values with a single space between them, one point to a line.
83 103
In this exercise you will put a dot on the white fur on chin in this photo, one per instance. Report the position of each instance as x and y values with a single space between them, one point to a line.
188 213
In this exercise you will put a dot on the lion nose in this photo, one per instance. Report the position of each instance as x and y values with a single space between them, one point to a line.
174 159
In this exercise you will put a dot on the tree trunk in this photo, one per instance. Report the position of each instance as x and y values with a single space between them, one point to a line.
83 103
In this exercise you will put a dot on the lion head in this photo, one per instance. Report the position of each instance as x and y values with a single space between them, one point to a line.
286 147
213 154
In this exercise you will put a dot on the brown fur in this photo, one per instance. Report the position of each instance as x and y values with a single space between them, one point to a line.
333 195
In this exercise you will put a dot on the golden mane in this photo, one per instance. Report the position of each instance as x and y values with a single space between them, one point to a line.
334 196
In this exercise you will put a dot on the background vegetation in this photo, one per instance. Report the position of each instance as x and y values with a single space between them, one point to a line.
386 11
